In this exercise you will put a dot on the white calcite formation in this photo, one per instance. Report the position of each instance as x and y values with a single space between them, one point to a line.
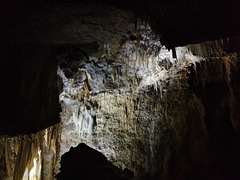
131 107
136 109
128 98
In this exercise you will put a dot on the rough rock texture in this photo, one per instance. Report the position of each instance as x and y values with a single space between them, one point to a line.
178 22
139 121
85 25
160 123
217 90
169 114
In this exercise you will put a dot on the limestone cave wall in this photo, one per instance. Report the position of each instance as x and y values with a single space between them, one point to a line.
160 113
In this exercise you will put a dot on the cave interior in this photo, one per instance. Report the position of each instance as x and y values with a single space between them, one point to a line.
120 89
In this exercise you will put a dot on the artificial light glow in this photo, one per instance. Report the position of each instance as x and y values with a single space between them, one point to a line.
33 170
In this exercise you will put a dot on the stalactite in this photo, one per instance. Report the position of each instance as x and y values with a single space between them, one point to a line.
25 156
122 89
6 169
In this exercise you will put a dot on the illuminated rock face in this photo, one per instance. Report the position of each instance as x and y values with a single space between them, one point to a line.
32 157
132 109
151 112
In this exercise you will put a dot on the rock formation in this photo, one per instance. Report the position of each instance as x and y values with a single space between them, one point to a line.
157 112
83 162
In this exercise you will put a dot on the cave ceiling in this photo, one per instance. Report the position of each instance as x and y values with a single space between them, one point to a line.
176 22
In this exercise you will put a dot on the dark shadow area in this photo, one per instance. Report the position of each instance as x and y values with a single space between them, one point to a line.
176 22
85 163
224 139
29 93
